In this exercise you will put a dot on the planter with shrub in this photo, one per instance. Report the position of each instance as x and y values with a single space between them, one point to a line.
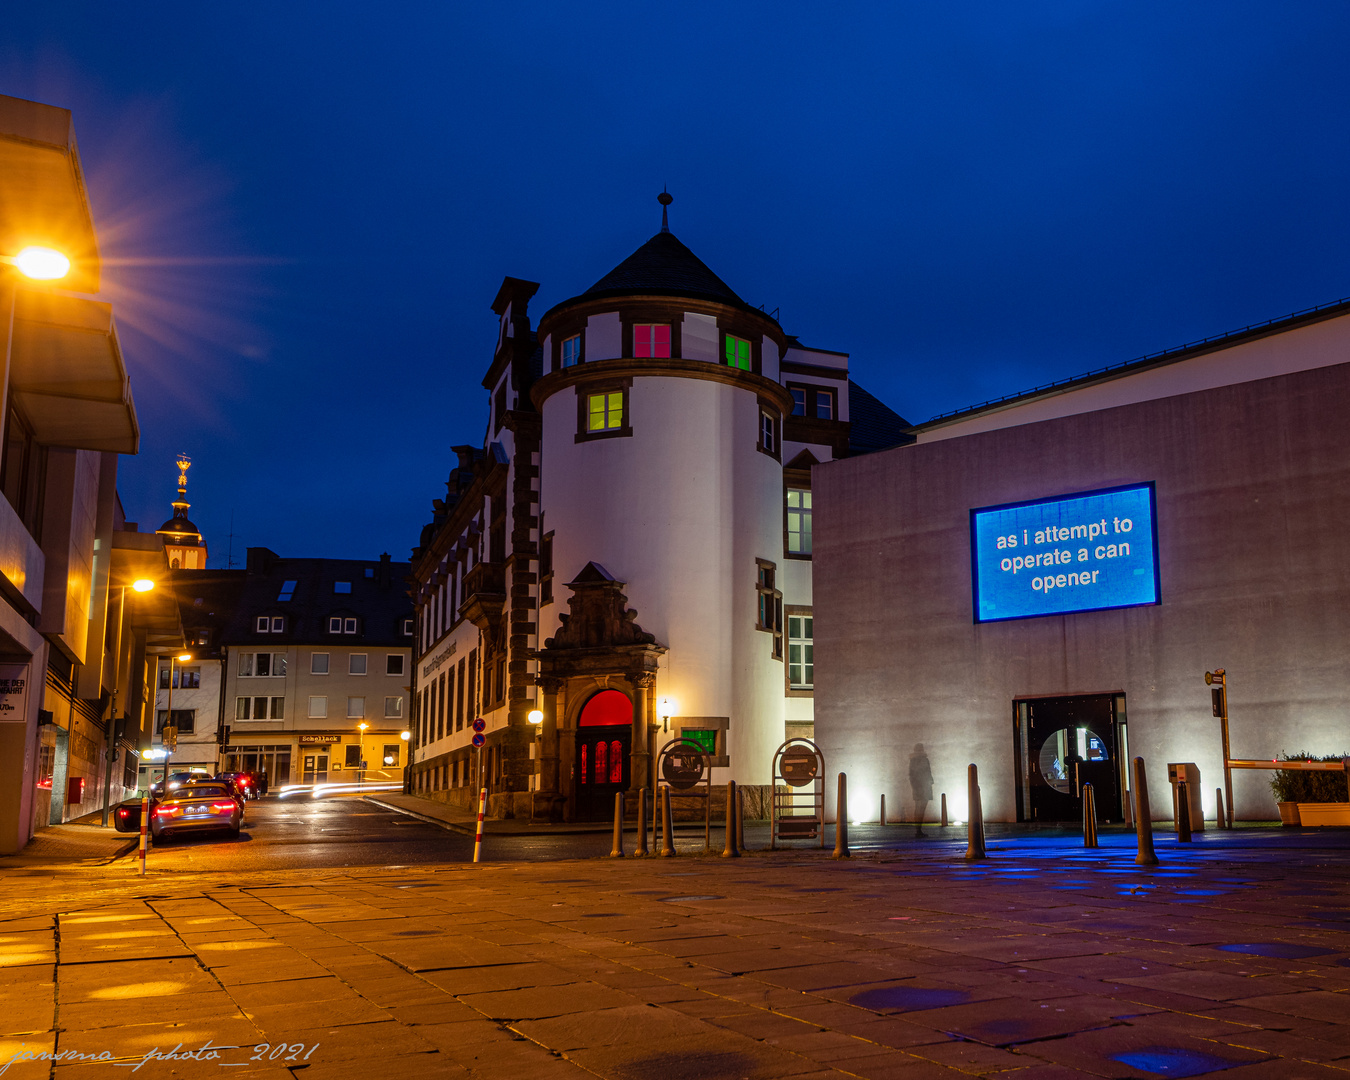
1314 797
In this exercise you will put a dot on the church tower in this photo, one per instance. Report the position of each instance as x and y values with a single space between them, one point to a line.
182 539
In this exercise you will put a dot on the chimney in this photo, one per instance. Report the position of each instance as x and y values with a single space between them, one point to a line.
383 577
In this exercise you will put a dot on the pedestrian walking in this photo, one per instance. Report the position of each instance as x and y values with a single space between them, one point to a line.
921 786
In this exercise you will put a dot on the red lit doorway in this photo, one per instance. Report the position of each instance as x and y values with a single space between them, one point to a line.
604 749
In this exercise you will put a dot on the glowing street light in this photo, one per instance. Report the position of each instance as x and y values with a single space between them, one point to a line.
143 584
41 263
405 735
534 716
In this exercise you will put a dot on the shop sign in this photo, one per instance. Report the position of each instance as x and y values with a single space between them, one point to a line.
14 693
319 740
1068 553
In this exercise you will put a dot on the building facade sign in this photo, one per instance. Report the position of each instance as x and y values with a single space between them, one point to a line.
319 740
1069 553
14 693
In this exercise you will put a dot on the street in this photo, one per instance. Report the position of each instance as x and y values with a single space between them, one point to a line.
345 830
1044 962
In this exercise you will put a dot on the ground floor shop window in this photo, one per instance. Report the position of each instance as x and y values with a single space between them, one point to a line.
275 761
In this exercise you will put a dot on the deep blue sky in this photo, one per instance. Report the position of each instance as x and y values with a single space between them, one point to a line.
308 207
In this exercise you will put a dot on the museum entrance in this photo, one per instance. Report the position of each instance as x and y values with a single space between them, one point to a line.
604 749
1062 743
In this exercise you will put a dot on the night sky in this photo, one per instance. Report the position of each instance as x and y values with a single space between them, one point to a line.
307 208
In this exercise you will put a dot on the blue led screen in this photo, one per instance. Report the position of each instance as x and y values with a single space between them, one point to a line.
1084 552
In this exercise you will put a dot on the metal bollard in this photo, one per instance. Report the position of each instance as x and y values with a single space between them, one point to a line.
974 816
1222 821
841 820
1089 816
729 849
740 819
1183 815
1143 817
641 848
478 837
944 809
883 810
616 852
667 830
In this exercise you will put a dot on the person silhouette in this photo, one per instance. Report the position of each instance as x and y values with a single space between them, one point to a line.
920 785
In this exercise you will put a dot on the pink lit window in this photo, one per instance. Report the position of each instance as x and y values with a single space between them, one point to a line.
599 763
651 340
615 763
583 763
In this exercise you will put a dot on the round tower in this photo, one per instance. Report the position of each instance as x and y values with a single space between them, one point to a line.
661 468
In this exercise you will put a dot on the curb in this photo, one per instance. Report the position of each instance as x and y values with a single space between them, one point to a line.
450 826
469 828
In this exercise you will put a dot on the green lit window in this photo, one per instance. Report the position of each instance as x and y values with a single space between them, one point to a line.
801 661
799 521
704 738
738 353
604 411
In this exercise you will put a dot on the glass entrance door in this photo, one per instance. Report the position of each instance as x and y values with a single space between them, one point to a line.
1062 744
315 769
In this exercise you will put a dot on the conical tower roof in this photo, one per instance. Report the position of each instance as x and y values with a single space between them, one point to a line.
663 266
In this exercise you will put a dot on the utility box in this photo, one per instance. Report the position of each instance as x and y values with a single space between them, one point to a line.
1189 772
75 790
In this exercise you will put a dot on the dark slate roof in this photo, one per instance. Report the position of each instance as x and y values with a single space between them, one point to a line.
663 266
381 601
207 601
873 425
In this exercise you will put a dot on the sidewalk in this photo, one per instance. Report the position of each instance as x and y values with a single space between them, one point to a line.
1048 961
74 842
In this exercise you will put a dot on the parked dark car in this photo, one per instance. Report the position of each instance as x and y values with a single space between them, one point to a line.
243 781
127 816
176 779
201 806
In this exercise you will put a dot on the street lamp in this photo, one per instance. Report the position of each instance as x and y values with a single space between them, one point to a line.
168 735
361 767
39 263
140 585
665 709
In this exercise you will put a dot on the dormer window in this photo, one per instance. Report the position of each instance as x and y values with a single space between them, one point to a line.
571 351
264 624
651 340
342 586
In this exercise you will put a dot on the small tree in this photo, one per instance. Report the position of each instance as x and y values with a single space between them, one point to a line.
1316 786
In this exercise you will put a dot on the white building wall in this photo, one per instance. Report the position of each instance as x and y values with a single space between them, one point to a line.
604 337
699 337
679 511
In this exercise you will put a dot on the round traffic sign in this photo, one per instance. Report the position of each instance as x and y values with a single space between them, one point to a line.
683 767
479 740
798 765
479 725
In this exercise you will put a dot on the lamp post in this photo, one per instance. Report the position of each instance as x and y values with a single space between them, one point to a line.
361 765
169 732
140 585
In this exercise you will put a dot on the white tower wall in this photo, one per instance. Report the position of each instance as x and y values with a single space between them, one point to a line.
680 511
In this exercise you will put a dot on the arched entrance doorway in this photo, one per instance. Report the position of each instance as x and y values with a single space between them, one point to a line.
604 748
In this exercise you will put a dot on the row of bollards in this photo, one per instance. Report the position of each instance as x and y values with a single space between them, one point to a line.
975 845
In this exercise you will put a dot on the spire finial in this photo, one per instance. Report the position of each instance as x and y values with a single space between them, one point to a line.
665 199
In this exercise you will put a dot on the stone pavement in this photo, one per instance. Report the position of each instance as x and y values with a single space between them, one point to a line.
1045 962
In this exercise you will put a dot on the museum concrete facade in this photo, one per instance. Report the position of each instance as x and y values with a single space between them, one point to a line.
932 651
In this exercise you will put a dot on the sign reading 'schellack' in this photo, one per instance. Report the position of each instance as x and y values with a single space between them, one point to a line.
1084 552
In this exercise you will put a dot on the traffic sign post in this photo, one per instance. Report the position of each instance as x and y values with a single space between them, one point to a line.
1219 705
479 741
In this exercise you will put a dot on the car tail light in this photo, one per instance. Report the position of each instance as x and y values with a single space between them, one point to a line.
122 811
165 811
228 807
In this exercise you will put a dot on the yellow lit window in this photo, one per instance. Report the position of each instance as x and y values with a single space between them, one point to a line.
606 412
